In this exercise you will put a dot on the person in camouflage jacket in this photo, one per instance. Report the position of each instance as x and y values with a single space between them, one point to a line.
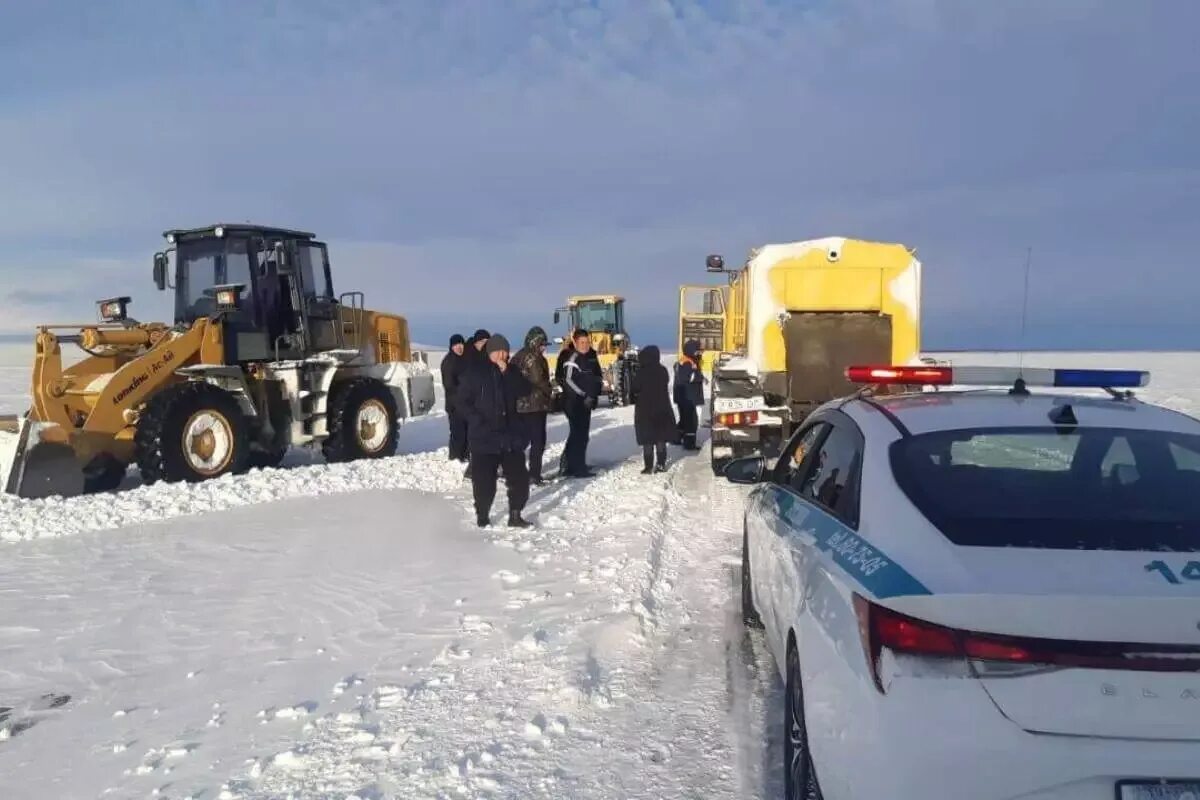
534 405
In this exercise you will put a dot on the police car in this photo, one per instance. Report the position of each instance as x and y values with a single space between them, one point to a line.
983 594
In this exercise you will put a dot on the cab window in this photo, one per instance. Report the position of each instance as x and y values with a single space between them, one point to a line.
312 271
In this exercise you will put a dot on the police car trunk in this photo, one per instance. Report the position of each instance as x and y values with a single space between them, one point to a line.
1069 579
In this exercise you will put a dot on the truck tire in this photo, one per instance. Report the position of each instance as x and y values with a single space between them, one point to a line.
191 432
362 421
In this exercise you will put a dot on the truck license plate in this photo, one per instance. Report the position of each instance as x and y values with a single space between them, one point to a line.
723 405
1159 790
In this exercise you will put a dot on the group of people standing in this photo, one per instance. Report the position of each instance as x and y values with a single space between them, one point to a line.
498 402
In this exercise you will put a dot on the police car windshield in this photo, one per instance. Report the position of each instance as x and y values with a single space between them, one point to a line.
1090 489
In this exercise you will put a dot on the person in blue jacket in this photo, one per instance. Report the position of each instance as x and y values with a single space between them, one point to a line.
689 393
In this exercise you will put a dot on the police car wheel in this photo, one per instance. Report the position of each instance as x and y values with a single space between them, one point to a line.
749 614
800 779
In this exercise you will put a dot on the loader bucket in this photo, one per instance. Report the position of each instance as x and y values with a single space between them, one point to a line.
35 465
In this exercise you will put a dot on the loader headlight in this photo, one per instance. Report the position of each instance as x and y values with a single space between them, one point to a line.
219 231
227 297
170 238
114 309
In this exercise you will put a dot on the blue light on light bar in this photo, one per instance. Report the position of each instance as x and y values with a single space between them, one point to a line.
1100 378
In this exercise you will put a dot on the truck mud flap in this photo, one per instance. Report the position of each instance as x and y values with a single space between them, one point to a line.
34 467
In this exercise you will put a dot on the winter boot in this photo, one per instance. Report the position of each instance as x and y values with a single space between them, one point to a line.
662 467
516 521
481 520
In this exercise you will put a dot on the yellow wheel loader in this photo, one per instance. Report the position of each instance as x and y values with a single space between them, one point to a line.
603 317
778 337
262 356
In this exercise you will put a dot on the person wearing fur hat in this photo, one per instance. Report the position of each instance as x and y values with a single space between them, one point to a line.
689 393
534 405
454 363
488 397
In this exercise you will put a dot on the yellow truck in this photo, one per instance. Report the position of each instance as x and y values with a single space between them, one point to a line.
779 335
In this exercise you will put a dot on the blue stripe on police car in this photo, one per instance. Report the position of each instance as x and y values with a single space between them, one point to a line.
867 565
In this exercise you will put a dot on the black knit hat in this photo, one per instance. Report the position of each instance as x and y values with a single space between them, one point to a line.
480 335
496 343
457 339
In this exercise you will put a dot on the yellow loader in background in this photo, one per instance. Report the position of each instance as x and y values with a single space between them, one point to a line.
262 356
603 317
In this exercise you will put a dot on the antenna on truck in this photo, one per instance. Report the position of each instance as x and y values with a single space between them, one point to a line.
1025 307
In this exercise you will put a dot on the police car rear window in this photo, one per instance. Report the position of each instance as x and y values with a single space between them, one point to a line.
1085 488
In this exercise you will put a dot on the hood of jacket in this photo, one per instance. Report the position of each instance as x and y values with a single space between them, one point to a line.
649 355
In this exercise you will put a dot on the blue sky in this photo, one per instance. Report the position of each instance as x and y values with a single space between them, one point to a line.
473 161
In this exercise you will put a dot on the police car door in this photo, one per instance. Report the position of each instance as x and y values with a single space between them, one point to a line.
779 508
823 499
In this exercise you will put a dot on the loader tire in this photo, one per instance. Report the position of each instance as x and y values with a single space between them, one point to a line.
267 459
104 474
357 410
191 432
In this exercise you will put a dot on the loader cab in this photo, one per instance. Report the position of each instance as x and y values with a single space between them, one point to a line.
271 289
601 316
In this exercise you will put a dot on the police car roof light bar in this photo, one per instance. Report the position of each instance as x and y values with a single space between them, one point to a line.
1000 376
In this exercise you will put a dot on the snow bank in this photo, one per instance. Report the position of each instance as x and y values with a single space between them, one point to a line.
33 519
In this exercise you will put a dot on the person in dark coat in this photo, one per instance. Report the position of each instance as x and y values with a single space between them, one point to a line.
475 347
653 419
534 405
453 365
560 364
488 397
583 380
689 393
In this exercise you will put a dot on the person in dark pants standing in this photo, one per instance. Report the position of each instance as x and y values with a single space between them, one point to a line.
534 405
453 365
488 397
689 393
583 380
653 419
472 355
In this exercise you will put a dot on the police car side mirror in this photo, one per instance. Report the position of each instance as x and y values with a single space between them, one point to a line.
746 471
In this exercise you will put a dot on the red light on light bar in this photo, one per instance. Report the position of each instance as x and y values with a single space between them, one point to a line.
932 376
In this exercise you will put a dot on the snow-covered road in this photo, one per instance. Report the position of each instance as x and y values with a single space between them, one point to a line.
345 631
374 643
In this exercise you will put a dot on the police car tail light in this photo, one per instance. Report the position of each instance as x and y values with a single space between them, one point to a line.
882 628
1000 376
996 656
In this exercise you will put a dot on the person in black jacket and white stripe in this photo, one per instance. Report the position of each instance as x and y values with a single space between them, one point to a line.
582 382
